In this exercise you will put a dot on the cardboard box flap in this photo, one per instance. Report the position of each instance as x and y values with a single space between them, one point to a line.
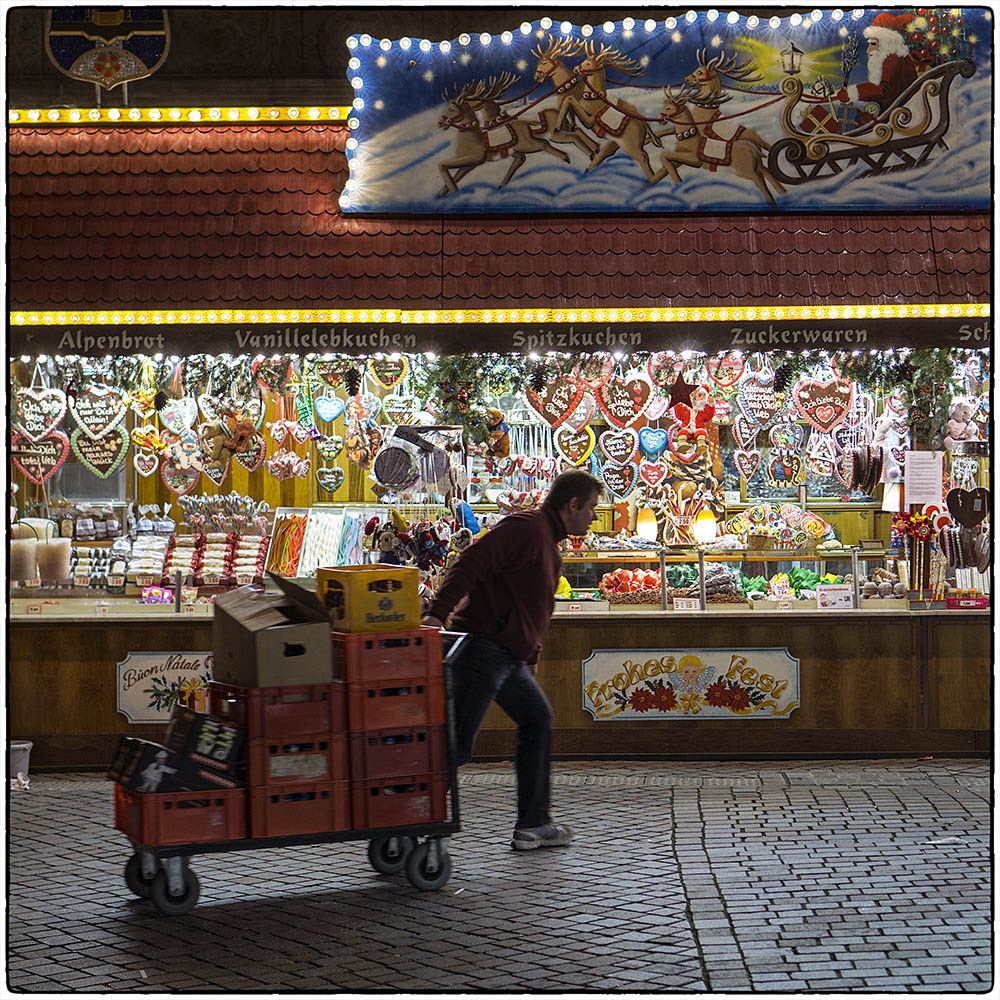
306 600
253 610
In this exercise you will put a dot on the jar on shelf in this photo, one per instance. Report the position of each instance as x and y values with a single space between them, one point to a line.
493 489
476 492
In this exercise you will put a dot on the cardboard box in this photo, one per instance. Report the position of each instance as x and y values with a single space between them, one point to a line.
375 598
151 768
269 640
123 754
204 740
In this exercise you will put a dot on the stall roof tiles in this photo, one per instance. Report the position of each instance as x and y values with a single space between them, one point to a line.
248 215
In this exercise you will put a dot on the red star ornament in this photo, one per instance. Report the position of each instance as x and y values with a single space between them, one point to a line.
680 392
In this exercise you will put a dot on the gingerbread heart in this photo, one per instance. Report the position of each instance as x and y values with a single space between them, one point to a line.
659 405
102 455
279 431
145 463
575 446
557 400
663 368
580 417
969 507
824 405
329 446
620 480
329 407
747 463
756 398
652 443
39 411
98 408
179 415
39 460
388 371
332 372
330 479
209 407
216 474
623 401
178 480
744 430
681 445
652 473
726 369
399 409
273 374
302 432
252 455
783 468
620 447
255 410
787 436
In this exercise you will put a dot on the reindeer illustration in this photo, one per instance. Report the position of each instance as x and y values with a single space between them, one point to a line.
707 77
553 121
493 137
701 144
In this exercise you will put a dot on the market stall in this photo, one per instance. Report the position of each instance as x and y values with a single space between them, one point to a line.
795 458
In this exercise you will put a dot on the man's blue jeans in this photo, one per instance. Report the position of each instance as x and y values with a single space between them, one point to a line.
486 672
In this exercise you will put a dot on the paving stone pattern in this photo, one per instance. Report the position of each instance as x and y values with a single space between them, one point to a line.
695 876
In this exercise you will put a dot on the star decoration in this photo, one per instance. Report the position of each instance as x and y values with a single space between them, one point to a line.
680 391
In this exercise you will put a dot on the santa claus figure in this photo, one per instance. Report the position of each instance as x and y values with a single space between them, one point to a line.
891 68
694 418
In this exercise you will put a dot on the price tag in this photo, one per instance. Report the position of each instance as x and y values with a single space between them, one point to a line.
189 609
148 581
211 579
100 609
784 605
116 580
687 604
34 609
244 578
35 582
81 581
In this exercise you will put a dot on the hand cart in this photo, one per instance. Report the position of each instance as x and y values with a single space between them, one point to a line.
161 873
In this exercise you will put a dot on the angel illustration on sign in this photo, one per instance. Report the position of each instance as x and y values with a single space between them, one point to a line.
693 681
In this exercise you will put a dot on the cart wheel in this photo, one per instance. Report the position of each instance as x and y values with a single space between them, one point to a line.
419 872
134 879
388 854
174 906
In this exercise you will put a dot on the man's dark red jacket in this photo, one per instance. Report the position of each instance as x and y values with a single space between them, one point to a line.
504 584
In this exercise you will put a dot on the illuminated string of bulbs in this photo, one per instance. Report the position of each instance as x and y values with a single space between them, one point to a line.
167 116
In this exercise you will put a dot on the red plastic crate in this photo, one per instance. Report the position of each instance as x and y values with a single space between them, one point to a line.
401 702
405 800
378 656
383 753
181 817
312 757
289 809
290 710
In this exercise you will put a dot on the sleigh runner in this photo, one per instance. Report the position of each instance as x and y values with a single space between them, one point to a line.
899 138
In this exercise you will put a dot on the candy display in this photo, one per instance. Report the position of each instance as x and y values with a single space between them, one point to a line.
233 512
783 525
148 555
636 586
287 537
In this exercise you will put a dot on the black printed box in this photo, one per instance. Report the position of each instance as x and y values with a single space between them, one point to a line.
205 740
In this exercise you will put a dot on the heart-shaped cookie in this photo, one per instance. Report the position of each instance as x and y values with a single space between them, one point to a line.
332 371
620 447
744 430
209 405
756 397
663 369
216 473
255 410
574 446
273 374
302 432
330 479
400 409
659 405
623 401
98 408
388 371
652 473
726 369
179 415
329 407
747 463
39 460
580 417
620 480
102 455
279 431
969 507
824 405
787 436
145 463
557 400
252 456
178 480
329 446
652 443
39 411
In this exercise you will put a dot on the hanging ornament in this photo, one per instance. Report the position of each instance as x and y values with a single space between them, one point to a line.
102 455
680 392
273 374
620 447
178 415
252 456
823 404
330 479
98 408
537 377
352 379
624 400
388 372
557 400
726 369
747 463
145 462
39 460
620 480
328 406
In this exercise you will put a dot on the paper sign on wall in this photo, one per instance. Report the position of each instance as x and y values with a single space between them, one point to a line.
924 477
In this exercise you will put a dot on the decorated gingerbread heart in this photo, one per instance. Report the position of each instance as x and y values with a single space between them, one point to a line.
620 480
596 369
178 480
216 473
652 473
557 400
757 399
145 462
787 436
331 371
97 408
102 455
969 507
179 415
574 446
663 368
272 373
580 417
725 370
39 460
329 446
328 406
823 405
652 442
252 456
623 401
330 479
620 447
744 430
747 463
39 411
388 371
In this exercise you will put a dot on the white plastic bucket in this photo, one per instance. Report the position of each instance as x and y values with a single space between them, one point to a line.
18 757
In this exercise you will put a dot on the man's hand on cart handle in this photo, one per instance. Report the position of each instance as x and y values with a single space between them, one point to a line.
431 621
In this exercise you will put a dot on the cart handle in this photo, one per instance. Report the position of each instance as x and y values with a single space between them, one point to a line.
453 642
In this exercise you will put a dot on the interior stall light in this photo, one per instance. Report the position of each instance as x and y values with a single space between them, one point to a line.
704 526
713 15
525 28
425 45
485 38
795 20
587 30
650 26
546 23
628 24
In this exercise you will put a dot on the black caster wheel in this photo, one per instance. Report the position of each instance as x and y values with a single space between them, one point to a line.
174 906
135 880
422 874
388 854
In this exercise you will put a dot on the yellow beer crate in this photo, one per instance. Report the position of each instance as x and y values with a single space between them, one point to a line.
377 598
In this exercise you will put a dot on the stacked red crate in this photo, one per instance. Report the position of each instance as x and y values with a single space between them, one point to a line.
298 775
395 694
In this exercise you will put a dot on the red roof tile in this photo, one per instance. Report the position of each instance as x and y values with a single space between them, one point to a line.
207 215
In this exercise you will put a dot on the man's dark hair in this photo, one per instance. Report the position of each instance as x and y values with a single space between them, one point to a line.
570 484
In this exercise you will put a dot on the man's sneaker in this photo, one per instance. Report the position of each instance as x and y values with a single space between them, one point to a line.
552 835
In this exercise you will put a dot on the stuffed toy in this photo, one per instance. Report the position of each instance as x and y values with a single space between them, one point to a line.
430 549
391 545
221 439
960 427
697 416
887 438
460 540
498 443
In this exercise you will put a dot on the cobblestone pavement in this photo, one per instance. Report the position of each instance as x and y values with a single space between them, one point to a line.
712 876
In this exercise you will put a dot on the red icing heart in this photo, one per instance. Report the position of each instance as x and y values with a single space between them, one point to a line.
624 402
48 455
178 480
652 473
725 369
823 404
596 370
747 463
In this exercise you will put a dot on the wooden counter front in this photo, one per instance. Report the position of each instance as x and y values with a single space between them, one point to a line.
871 683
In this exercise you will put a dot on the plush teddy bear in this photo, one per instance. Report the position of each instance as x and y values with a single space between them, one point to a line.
960 427
887 437
231 433
498 443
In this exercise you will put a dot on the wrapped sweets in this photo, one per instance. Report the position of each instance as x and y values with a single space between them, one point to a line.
215 556
147 557
183 555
